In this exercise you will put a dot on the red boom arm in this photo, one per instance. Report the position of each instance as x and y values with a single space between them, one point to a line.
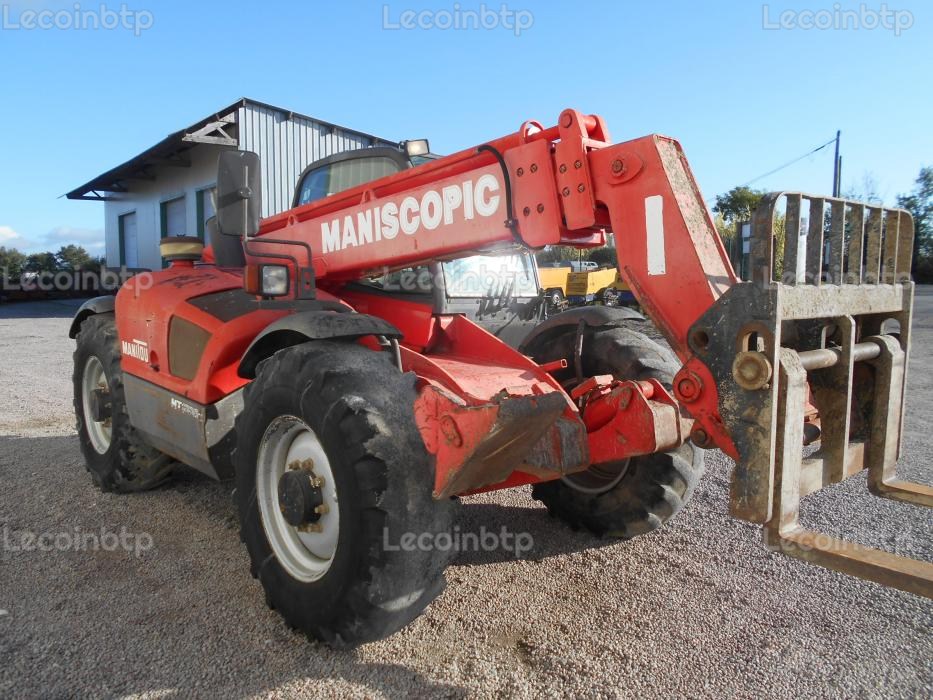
564 185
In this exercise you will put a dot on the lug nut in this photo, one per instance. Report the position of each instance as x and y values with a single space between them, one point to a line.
563 168
540 208
520 172
580 187
534 167
617 166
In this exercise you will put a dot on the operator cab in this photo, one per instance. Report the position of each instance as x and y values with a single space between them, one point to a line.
498 290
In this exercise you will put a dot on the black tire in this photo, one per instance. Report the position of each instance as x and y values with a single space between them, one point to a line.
361 409
129 464
636 496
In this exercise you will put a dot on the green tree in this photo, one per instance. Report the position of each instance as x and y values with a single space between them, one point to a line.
561 253
736 205
730 209
920 204
11 263
41 262
74 257
604 257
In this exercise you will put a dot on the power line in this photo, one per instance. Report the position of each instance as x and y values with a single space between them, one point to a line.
790 162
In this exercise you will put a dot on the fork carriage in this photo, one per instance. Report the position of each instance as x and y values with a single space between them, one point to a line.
818 356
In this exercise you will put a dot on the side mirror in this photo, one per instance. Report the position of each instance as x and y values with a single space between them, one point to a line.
239 193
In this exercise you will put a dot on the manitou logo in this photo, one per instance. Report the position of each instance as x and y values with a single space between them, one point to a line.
464 202
136 349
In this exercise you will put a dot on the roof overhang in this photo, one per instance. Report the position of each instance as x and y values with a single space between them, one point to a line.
218 129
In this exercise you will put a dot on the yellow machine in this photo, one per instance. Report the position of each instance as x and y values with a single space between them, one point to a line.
619 294
553 281
589 287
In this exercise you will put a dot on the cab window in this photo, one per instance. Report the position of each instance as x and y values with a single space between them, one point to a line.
342 175
490 275
410 280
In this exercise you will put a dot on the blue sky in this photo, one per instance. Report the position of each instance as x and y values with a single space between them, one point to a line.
740 97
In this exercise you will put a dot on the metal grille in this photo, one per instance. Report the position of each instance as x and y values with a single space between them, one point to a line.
837 241
287 144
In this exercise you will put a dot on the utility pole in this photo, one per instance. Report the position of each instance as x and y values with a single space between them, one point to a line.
837 167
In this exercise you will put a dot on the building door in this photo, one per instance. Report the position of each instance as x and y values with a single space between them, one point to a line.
129 241
174 218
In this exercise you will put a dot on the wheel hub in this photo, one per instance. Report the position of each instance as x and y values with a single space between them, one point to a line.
301 499
297 495
99 400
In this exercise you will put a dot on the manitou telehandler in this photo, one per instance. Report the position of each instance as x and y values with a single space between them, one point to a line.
360 361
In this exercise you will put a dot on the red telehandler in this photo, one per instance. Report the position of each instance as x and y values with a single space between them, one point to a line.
353 408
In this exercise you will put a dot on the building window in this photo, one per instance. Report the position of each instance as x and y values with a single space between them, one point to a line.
129 241
205 204
173 217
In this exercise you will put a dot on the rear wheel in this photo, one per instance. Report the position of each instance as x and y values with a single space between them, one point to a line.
334 489
555 297
116 455
609 296
636 495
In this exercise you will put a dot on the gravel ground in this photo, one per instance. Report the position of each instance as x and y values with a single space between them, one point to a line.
698 609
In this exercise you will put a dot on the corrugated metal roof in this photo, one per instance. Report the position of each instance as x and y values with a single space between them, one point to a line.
287 144
261 127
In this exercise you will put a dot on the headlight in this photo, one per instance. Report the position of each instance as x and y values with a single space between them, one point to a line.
274 280
416 147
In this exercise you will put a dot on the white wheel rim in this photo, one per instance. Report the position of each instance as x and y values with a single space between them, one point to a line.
94 378
306 556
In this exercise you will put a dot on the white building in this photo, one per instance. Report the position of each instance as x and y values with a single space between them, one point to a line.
165 190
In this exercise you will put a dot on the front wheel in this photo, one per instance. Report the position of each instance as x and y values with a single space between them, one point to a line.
334 489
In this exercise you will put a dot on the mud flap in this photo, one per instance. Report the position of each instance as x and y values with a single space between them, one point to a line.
527 432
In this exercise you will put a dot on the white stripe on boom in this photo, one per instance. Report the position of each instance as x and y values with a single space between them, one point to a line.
654 225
